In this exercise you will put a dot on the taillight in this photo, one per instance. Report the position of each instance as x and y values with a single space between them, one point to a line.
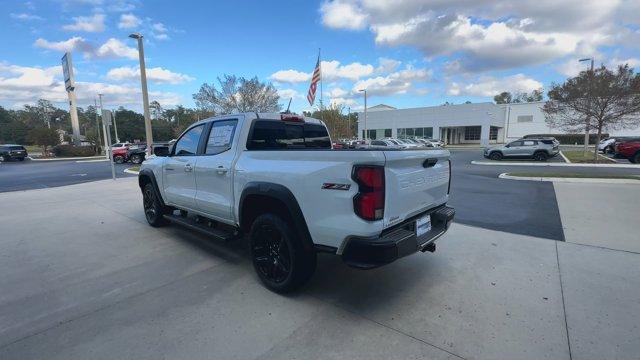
369 202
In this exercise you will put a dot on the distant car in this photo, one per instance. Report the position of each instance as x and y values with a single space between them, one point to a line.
537 149
386 143
629 149
120 145
607 145
120 154
407 143
10 152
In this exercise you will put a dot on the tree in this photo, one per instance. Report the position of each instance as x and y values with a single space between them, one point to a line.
44 137
237 94
336 122
506 97
503 98
596 100
156 109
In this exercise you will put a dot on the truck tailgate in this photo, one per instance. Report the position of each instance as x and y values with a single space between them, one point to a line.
415 180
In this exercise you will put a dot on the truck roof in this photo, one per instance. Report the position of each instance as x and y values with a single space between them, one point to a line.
254 115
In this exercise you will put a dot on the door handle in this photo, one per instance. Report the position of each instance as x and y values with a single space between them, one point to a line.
221 170
169 169
188 168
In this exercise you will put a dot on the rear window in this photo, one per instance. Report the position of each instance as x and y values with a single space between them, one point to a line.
16 148
283 135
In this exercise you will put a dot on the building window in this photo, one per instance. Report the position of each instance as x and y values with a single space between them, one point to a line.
525 118
472 133
387 133
493 133
426 132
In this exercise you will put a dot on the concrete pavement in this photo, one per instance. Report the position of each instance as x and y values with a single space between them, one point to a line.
606 215
96 282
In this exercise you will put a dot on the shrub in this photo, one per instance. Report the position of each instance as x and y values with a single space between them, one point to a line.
571 139
71 150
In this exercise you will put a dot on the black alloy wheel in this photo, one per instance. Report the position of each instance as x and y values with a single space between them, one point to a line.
280 257
271 254
119 159
136 159
153 210
495 156
540 156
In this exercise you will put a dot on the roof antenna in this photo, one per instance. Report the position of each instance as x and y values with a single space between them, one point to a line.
288 106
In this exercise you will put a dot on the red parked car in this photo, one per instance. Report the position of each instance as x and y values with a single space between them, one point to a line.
630 150
120 154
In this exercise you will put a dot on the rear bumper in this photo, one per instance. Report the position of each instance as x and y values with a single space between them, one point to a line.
397 242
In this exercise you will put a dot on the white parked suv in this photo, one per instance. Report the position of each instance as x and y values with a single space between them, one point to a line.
275 178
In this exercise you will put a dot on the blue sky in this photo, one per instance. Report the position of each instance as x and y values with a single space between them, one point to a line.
407 53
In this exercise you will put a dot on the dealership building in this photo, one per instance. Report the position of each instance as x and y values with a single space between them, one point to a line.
479 123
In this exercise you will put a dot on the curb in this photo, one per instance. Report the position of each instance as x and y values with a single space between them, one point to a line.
571 180
132 172
70 158
621 166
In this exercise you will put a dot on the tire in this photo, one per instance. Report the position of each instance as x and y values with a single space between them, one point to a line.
635 158
495 156
21 159
279 255
609 150
136 159
540 156
153 207
118 159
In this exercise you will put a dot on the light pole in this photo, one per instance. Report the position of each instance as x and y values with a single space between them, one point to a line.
349 121
115 126
587 121
107 144
145 95
366 135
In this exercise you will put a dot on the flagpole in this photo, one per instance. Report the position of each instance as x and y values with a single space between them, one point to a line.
321 97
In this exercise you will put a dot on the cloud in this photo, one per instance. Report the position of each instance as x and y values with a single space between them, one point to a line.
332 70
573 67
487 35
290 76
342 15
25 16
25 85
286 94
115 48
399 82
488 86
159 31
157 75
387 65
75 43
93 23
129 21
112 48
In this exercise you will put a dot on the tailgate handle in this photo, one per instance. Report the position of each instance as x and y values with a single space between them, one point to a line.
429 162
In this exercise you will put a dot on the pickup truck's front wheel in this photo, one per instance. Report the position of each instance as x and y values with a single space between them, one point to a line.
153 207
279 257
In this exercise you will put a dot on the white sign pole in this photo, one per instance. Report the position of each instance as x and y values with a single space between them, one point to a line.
69 82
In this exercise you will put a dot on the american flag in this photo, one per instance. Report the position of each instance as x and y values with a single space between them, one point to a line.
311 94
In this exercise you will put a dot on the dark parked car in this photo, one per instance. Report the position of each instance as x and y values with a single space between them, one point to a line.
136 153
10 152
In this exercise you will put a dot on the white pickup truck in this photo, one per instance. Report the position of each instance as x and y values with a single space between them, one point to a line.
276 178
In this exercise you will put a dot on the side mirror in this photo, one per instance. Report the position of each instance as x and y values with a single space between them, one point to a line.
161 151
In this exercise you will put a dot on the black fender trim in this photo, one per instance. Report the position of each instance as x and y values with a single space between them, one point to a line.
147 173
283 194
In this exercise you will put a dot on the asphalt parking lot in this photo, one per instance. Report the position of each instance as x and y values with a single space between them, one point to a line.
98 282
28 175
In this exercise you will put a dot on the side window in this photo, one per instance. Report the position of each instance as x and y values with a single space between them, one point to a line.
380 143
528 143
220 136
515 143
188 143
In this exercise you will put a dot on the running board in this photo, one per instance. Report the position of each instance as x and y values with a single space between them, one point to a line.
192 224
